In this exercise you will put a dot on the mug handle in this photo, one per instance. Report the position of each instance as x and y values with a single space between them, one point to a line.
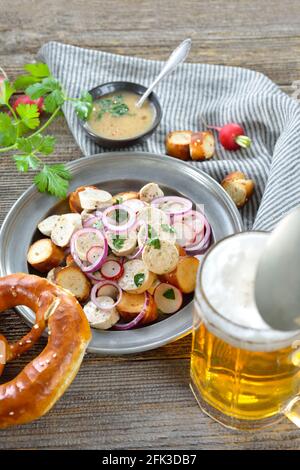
292 410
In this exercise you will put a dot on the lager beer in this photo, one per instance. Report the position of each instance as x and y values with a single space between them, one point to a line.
243 373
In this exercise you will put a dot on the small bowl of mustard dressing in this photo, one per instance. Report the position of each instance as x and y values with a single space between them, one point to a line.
115 121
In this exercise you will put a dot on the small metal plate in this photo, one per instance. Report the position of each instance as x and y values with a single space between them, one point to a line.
116 172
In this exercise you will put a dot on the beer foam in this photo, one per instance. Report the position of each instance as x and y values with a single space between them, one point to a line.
227 280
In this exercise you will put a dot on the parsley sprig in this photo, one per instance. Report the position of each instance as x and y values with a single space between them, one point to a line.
21 130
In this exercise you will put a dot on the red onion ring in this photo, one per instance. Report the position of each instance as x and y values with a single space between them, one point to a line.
95 276
89 223
100 284
137 319
202 245
139 250
134 204
182 200
119 228
196 216
96 265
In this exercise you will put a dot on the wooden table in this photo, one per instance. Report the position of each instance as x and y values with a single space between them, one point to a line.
141 401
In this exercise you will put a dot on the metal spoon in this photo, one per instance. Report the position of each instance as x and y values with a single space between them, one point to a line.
277 284
177 57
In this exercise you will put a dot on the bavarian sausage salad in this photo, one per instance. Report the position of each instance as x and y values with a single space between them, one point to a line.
125 257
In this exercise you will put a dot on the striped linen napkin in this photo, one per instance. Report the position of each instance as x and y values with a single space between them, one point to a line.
219 95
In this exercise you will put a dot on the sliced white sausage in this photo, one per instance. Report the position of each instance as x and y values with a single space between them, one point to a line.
150 191
85 242
152 215
122 244
161 231
161 258
64 228
91 199
100 318
47 225
86 215
135 274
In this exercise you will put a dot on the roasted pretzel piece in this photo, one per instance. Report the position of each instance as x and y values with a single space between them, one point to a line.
41 383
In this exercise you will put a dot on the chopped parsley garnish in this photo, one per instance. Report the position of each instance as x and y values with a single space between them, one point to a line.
114 106
155 242
151 232
168 228
169 294
139 279
118 241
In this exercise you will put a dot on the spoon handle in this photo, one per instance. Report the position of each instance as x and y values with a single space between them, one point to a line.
177 57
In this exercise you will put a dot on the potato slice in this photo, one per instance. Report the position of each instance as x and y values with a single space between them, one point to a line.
132 305
178 144
184 275
73 279
202 146
44 255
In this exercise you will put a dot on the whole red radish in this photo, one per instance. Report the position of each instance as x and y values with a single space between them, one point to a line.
232 136
24 99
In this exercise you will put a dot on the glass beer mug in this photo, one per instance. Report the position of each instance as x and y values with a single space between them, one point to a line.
244 374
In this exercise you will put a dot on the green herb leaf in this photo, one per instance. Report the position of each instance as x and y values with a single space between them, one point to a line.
169 294
6 91
23 81
29 115
115 106
139 279
168 228
47 144
8 132
24 162
155 242
118 241
38 70
47 85
53 179
83 106
36 143
53 101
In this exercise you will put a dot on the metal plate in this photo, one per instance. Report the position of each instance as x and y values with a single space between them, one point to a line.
116 172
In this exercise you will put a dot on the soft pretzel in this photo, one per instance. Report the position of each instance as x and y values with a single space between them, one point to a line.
41 383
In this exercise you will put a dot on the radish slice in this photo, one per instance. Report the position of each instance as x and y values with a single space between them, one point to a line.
98 290
92 267
137 319
114 223
111 269
173 204
167 298
94 254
